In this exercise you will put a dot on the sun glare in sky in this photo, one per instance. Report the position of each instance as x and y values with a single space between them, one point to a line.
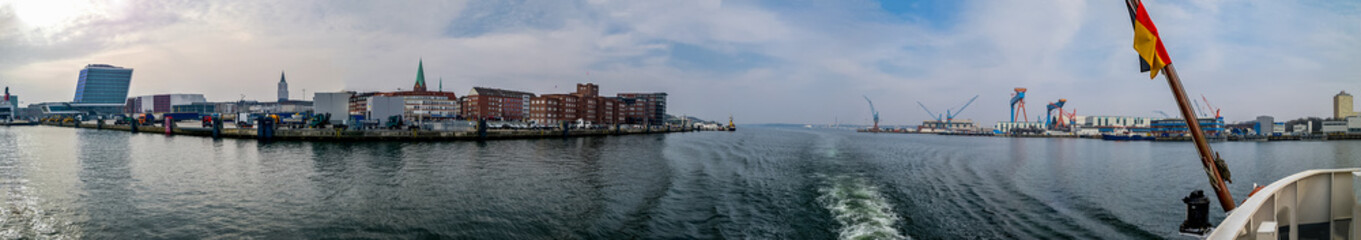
44 14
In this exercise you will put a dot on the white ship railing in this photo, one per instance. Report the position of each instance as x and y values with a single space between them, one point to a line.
1314 198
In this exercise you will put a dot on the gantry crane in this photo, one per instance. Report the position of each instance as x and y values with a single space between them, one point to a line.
1049 111
1072 118
1018 98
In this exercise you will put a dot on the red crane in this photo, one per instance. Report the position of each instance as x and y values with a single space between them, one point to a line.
1211 108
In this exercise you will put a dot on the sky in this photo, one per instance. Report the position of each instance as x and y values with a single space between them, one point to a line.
772 61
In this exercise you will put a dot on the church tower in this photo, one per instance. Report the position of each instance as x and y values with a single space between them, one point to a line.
420 77
283 88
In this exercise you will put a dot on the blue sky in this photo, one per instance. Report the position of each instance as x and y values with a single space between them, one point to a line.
761 61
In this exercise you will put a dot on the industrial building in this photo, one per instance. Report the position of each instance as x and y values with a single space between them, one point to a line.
1265 125
1354 125
198 107
163 103
960 125
337 104
1007 127
1172 127
1301 129
1115 121
1115 124
1349 125
1335 127
382 108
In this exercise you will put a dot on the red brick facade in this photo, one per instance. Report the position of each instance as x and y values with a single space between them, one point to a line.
496 104
585 105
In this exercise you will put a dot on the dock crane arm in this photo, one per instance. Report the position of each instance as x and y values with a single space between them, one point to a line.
1207 105
875 112
966 105
1163 113
928 111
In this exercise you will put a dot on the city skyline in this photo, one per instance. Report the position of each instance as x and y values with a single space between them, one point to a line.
764 62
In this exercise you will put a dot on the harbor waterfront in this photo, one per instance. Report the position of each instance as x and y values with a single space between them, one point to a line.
316 134
761 183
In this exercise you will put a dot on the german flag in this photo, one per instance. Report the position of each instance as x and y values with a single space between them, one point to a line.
1152 55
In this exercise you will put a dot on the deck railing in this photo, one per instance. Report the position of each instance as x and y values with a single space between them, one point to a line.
1313 204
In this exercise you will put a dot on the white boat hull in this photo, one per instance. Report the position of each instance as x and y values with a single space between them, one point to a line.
1309 204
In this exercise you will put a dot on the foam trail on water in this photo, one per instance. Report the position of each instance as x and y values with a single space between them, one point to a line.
862 212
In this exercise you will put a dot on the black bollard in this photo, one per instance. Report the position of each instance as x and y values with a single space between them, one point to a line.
270 126
565 129
260 128
1197 214
481 129
217 127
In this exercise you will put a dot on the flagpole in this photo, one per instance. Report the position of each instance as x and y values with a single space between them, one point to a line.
1207 158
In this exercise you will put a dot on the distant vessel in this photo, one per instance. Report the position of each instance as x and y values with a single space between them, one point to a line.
1125 137
731 127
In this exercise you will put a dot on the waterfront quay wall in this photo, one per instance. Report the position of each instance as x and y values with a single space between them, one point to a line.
1329 137
377 135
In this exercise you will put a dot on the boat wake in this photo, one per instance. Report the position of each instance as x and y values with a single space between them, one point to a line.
860 209
22 218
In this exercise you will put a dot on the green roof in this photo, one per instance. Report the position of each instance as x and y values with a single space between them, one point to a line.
420 75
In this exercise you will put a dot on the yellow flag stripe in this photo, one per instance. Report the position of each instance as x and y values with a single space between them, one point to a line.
1146 44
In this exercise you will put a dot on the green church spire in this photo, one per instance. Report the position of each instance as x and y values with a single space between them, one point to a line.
420 77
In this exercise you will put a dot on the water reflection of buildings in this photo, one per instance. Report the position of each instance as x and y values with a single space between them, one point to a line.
106 179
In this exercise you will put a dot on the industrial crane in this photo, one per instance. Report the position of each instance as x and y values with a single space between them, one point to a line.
872 111
1072 117
1018 98
928 112
1049 111
950 114
1163 113
1200 111
1211 108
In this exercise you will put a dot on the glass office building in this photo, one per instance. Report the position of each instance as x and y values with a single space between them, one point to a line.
103 83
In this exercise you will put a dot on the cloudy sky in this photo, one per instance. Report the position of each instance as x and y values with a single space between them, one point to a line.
777 61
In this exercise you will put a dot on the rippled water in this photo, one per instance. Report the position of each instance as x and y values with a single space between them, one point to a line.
760 183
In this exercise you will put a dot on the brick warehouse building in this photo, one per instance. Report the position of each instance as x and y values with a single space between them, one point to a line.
585 104
496 104
644 108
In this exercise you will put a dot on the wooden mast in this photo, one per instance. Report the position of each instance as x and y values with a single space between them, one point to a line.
1207 159
1207 155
